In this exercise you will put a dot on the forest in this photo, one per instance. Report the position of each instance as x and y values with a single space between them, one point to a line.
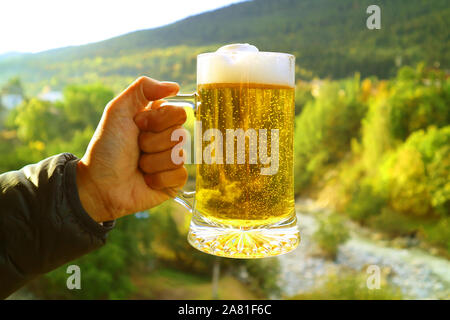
329 39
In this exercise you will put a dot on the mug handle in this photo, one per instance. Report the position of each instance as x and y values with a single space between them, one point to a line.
185 198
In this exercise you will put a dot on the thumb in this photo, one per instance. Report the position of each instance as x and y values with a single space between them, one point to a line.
141 92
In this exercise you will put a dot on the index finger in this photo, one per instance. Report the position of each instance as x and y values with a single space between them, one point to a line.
141 92
160 119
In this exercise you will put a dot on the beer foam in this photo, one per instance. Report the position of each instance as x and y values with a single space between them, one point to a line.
244 63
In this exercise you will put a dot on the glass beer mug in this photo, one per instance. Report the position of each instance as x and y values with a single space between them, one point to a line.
243 206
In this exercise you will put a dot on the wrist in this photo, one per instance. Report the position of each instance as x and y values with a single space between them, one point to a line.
89 194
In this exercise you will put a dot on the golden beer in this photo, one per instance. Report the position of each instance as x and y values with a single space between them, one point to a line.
244 200
236 194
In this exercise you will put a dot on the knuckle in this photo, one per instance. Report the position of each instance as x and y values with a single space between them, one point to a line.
110 108
140 80
139 85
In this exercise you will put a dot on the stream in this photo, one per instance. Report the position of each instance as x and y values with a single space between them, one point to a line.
417 273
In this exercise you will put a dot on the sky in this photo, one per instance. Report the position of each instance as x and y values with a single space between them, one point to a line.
38 25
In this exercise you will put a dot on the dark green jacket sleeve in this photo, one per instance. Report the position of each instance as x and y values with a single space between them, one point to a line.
42 222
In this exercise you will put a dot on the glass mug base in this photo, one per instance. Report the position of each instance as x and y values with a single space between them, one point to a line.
261 242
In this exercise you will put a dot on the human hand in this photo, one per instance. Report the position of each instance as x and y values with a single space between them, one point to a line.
113 177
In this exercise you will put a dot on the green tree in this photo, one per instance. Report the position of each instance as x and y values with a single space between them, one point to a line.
13 86
415 176
325 128
83 104
38 120
418 98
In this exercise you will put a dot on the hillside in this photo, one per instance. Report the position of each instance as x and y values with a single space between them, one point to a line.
329 39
